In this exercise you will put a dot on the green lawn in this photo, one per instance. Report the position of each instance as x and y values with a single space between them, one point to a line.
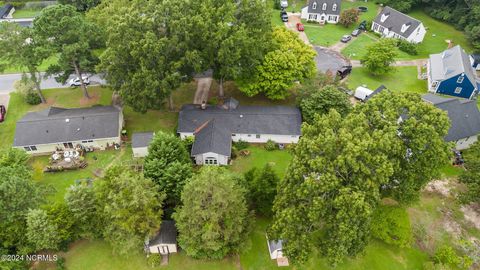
26 13
259 157
403 79
358 48
231 90
329 34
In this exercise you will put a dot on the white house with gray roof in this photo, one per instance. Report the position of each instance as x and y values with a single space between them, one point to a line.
216 127
140 143
464 119
391 23
322 11
54 128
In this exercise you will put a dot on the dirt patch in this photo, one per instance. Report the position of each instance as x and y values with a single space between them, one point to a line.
94 98
471 213
452 227
439 186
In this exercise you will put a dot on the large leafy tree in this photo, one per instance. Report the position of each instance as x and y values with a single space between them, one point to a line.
332 187
289 60
420 150
349 16
18 47
144 59
82 203
18 194
321 101
42 233
60 29
130 206
380 56
81 5
262 187
213 218
168 165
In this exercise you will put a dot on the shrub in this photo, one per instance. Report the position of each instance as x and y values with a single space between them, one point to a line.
24 86
407 47
234 151
240 145
276 4
392 225
61 263
446 255
154 260
188 142
33 98
270 145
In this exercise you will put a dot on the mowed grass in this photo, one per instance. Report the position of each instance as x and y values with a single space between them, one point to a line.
43 67
259 157
402 79
329 34
26 13
358 48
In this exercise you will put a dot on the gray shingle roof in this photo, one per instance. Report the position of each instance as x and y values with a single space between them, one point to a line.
319 6
166 235
5 10
212 138
214 124
274 245
142 139
396 20
57 125
464 115
450 63
376 92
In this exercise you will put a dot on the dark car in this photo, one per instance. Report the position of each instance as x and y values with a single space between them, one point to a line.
283 16
344 71
356 32
346 38
363 9
3 111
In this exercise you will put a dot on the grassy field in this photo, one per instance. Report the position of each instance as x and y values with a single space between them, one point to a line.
403 79
329 34
26 13
358 48
43 67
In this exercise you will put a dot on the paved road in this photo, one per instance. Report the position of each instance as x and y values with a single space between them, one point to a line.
7 81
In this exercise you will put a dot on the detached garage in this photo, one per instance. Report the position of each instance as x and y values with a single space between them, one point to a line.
140 143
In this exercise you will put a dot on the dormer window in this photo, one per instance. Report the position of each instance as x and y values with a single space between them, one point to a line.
314 6
460 79
405 27
334 8
384 17
324 6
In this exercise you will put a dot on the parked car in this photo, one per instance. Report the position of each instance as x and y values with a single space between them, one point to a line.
356 32
3 112
344 71
284 3
346 38
363 26
283 16
76 81
300 27
363 9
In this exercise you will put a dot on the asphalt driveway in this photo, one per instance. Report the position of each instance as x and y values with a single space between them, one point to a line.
327 59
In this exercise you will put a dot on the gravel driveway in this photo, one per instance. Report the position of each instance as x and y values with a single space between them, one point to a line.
327 59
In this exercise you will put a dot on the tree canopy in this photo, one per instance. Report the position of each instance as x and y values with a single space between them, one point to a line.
168 165
81 5
471 176
41 232
380 56
349 16
321 101
288 60
213 218
61 30
262 188
130 207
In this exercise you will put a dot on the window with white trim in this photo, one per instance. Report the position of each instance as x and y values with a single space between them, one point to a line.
257 136
334 8
211 161
460 79
458 90
30 148
314 6
324 7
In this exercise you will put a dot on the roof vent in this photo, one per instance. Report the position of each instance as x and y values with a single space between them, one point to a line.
78 129
241 115
67 120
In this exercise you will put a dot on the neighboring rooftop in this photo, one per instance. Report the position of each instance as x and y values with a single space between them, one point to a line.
5 10
166 235
319 6
274 245
397 22
464 115
450 63
142 139
376 92
57 125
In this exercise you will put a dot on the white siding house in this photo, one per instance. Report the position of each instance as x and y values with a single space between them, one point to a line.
322 11
43 132
140 143
391 23
216 127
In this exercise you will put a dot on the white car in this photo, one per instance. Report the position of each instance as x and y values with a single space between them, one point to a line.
76 81
284 3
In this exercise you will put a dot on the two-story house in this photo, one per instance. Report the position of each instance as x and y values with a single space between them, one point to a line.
322 11
392 23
